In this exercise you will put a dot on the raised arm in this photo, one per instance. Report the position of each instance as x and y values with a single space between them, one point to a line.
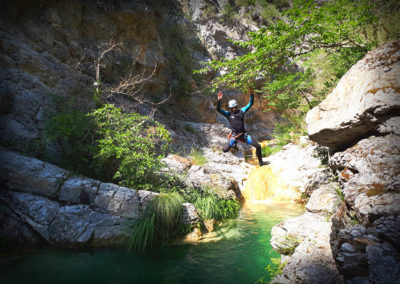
251 102
219 109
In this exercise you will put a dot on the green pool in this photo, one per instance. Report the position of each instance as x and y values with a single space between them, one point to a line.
238 253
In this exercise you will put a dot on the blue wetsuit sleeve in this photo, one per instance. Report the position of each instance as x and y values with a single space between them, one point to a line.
221 111
251 102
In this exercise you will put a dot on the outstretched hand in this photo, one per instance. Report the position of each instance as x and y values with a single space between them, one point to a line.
220 95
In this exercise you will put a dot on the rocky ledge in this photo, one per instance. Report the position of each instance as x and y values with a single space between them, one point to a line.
42 202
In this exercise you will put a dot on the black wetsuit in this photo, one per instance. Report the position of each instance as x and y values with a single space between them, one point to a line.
236 121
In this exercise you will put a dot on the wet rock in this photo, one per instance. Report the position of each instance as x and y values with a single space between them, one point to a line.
358 280
389 228
362 100
311 262
209 225
120 201
302 164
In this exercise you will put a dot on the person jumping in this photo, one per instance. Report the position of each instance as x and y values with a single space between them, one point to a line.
235 117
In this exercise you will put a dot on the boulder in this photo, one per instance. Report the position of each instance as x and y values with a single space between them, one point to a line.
324 200
287 235
364 102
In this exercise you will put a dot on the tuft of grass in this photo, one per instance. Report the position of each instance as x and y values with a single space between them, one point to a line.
268 151
197 157
340 193
160 222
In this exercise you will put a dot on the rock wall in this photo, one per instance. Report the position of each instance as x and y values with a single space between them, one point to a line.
42 202
350 231
47 50
359 120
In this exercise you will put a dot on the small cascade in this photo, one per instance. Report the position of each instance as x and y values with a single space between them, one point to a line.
266 184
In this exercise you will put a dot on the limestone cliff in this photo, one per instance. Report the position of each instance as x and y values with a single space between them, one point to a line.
49 49
359 120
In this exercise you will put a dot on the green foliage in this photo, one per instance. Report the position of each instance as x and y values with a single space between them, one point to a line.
210 205
300 56
159 224
270 13
197 157
290 130
110 145
209 11
190 129
273 269
289 245
268 151
323 154
130 146
74 133
245 3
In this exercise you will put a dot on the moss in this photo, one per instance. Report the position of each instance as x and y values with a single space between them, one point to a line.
289 245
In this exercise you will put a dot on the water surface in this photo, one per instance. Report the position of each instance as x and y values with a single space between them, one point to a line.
238 254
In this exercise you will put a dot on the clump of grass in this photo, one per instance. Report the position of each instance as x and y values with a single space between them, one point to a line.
159 224
197 157
212 206
268 151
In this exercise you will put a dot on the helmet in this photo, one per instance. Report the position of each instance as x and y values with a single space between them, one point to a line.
232 103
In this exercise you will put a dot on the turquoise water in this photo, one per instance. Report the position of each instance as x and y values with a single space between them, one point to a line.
238 253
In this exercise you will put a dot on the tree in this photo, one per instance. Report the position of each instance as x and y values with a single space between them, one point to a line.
286 58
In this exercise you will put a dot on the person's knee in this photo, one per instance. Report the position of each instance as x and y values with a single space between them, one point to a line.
225 150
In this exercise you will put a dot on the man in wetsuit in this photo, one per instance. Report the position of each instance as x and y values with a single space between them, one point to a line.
235 117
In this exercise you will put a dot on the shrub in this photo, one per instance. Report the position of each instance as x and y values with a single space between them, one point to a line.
130 146
74 134
110 145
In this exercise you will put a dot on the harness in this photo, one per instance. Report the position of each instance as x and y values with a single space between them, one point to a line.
240 137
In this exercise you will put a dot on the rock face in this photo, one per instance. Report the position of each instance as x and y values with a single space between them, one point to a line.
47 50
304 241
359 120
40 199
365 101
